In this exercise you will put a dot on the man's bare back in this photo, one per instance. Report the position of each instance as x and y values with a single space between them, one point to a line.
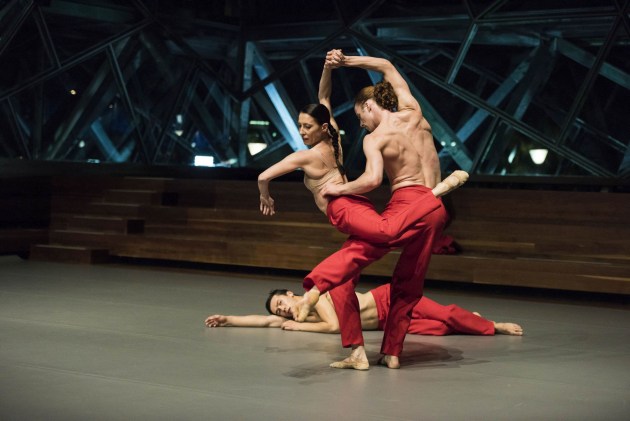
409 154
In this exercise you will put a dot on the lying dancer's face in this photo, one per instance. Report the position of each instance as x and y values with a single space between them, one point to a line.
280 305
311 131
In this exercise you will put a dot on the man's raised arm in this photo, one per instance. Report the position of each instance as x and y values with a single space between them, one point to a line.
335 58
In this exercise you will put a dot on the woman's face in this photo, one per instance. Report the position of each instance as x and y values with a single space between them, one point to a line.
311 131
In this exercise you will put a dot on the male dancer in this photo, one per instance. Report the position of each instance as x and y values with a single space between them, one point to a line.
428 317
400 143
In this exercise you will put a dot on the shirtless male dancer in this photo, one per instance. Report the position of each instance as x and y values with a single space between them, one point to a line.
428 317
322 164
400 144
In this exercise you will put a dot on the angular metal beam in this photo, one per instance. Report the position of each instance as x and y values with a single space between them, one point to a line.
305 74
90 11
466 96
495 99
317 47
585 88
285 110
74 60
537 74
106 145
129 106
184 93
587 60
247 51
97 94
461 53
17 123
7 35
44 34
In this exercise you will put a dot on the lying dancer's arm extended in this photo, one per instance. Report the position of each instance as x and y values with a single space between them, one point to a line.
219 320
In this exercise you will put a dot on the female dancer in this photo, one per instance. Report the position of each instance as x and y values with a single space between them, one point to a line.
322 164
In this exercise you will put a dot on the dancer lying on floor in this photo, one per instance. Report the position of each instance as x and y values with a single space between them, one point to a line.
428 317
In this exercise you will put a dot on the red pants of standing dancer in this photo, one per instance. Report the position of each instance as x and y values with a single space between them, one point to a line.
356 215
343 268
431 318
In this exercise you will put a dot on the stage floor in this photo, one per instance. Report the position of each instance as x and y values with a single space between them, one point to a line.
119 342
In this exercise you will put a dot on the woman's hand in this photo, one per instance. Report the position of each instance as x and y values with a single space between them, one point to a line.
267 205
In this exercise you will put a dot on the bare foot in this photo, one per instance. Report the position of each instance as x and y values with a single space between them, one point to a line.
389 361
350 362
450 183
306 304
508 329
356 361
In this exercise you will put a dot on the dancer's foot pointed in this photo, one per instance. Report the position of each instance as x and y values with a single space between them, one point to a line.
306 304
450 183
356 361
352 364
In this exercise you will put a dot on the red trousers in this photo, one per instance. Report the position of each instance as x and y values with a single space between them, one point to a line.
356 215
431 318
343 268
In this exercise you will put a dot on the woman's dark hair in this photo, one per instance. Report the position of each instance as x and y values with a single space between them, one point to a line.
321 114
382 93
272 294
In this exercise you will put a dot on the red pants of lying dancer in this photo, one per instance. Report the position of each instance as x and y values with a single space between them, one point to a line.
340 272
431 318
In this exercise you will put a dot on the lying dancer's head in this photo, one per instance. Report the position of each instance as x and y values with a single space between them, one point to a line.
381 95
314 126
280 302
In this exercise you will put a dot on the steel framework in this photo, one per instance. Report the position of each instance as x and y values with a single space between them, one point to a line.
156 82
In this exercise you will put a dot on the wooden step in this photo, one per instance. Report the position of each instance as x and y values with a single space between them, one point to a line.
140 197
586 240
105 223
293 233
114 209
68 254
200 214
145 183
19 240
588 276
135 211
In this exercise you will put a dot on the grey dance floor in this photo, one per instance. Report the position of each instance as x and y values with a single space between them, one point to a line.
120 342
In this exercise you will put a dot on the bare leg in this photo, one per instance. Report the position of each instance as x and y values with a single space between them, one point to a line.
356 361
306 304
508 329
389 361
450 183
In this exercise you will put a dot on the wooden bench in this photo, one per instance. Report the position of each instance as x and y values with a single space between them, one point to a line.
545 239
